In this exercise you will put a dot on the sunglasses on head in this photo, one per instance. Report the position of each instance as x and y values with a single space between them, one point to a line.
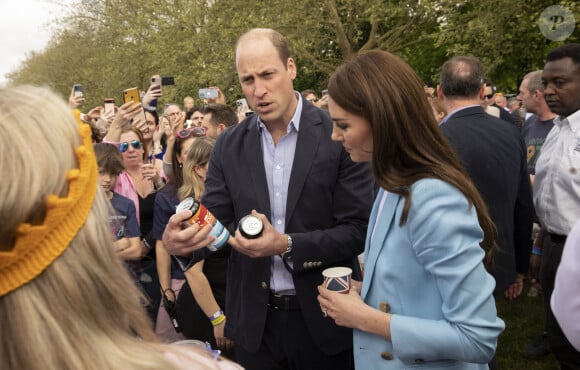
489 96
136 144
189 132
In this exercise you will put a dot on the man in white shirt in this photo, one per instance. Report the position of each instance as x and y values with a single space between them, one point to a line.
557 181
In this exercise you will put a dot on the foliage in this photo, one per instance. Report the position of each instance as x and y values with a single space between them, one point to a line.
110 45
509 43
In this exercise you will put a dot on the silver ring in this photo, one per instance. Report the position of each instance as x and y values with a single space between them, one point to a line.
324 313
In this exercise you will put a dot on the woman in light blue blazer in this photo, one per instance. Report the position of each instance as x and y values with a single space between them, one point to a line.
426 299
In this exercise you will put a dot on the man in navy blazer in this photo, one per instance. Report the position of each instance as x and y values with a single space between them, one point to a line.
495 158
281 165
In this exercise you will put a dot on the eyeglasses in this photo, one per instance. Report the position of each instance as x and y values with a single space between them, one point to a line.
489 96
136 144
188 132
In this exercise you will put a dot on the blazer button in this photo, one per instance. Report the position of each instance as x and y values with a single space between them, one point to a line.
305 264
385 307
264 285
386 356
419 361
318 264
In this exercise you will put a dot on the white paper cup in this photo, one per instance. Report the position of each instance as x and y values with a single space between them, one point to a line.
337 279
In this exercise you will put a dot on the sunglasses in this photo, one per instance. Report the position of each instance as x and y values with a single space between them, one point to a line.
189 132
488 96
136 144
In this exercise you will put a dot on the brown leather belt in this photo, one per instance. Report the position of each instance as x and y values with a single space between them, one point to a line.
283 302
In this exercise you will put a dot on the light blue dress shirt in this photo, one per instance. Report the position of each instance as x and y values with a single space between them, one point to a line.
278 159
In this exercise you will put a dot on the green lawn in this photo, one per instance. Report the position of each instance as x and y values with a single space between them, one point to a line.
524 320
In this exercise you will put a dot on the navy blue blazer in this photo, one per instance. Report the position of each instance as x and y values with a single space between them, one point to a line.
328 205
494 155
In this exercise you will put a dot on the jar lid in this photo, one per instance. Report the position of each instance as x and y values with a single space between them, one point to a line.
251 227
187 203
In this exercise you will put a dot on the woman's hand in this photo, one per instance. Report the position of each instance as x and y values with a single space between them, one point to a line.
149 171
153 93
158 134
125 113
221 341
344 308
75 101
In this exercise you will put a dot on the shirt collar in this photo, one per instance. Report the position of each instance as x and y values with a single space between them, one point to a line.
294 122
573 120
457 110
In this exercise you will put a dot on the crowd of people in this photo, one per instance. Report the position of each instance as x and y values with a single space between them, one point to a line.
434 190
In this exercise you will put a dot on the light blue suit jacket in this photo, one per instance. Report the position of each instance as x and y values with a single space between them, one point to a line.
430 272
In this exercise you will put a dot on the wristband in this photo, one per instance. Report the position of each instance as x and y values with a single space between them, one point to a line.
219 320
216 315
536 250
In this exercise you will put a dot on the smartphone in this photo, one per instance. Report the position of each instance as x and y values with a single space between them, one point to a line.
131 94
78 90
241 103
109 105
167 80
208 93
156 80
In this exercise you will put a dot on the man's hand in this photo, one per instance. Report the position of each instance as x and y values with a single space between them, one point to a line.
181 241
270 243
514 290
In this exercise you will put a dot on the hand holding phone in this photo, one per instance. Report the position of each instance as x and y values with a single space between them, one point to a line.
208 93
109 104
78 91
131 94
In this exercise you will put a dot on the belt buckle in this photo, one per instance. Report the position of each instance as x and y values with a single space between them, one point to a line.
285 303
281 302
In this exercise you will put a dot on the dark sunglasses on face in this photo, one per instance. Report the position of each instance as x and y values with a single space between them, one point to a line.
488 96
136 144
189 132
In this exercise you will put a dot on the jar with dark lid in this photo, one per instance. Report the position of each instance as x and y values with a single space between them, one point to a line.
251 227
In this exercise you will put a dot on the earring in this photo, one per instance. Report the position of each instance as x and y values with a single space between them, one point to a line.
181 165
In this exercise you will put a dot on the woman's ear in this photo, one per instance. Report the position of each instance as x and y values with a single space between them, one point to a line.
197 169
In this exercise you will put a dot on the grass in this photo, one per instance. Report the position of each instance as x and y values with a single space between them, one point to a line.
524 319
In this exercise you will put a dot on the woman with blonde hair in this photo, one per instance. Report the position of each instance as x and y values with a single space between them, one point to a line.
66 301
204 294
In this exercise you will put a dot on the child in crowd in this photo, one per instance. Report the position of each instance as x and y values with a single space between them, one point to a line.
123 220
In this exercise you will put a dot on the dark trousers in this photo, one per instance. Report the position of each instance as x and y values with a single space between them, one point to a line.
567 356
287 344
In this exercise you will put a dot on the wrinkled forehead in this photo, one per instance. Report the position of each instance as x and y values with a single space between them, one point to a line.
564 67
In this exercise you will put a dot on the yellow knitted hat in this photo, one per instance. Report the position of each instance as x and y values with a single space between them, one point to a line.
37 246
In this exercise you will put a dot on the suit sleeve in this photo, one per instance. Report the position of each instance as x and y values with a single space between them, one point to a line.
469 327
523 217
350 206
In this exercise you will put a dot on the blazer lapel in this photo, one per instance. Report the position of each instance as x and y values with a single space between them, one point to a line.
257 173
306 147
380 224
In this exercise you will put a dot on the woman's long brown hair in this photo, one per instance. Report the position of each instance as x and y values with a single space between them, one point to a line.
407 143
